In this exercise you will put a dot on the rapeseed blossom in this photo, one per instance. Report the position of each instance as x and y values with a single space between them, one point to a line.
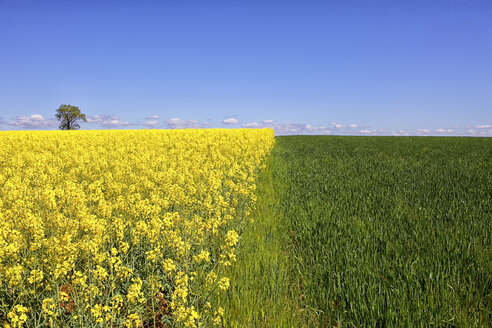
122 228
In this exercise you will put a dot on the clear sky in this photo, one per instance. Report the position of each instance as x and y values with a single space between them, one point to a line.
330 67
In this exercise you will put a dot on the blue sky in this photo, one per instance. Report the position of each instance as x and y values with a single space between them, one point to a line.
314 67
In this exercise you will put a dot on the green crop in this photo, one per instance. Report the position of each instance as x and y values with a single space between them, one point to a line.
370 232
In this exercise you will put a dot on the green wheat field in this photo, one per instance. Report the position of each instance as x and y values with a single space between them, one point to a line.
368 232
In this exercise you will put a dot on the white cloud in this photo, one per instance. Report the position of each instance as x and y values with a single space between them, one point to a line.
253 125
288 128
108 121
230 121
308 129
399 133
151 123
115 123
475 131
361 129
37 117
444 130
480 132
35 121
338 125
177 123
94 119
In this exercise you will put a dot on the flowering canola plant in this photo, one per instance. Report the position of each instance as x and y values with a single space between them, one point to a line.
122 228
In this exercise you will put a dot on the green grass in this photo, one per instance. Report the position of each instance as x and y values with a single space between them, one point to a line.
262 292
369 232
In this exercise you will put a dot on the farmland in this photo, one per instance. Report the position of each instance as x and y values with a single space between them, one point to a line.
236 228
371 232
122 228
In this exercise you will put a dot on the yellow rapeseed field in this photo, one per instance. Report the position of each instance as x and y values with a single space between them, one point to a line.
122 228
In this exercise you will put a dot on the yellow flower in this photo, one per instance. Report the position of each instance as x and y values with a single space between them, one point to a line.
134 292
18 316
224 283
100 273
49 308
211 277
232 238
35 276
169 265
83 207
133 320
203 256
96 311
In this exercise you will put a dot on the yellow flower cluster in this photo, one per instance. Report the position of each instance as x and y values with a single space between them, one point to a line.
122 228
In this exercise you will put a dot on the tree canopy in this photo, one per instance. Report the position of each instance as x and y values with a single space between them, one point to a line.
68 116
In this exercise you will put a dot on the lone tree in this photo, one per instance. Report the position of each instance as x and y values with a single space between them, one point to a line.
68 116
